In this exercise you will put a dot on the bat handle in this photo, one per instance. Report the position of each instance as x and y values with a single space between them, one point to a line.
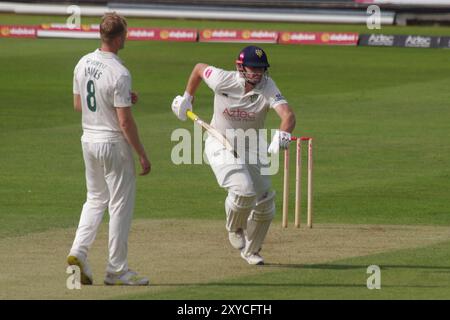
191 115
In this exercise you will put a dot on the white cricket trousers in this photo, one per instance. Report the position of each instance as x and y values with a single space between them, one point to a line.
110 182
241 178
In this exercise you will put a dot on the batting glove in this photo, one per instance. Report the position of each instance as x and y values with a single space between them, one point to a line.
281 139
181 104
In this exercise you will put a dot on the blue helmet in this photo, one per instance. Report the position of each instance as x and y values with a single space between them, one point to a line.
253 56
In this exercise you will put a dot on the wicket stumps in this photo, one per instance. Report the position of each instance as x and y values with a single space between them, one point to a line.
298 176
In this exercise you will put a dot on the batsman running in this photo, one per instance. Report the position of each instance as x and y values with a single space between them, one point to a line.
242 99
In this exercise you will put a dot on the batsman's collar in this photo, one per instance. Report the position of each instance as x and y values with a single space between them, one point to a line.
239 78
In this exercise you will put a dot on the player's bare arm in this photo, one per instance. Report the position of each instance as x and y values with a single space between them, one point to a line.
181 104
282 136
195 78
77 102
130 131
287 117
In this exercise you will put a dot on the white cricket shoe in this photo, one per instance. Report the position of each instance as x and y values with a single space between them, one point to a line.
254 259
129 278
237 239
85 271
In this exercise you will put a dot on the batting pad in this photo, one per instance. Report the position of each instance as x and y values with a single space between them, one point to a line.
237 209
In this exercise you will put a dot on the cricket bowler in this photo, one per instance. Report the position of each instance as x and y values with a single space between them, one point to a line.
102 93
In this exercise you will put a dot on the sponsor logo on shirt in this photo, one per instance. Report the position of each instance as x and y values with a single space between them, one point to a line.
239 115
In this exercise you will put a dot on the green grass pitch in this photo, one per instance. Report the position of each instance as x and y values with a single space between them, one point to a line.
379 116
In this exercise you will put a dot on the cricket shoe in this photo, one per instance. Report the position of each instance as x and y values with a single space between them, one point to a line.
129 278
254 258
85 271
237 239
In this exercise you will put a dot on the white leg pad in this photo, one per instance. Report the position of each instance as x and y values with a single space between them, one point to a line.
237 209
258 223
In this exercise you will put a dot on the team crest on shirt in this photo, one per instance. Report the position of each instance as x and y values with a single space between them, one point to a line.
254 97
279 97
259 52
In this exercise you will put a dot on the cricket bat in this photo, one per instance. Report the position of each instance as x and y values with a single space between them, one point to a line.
216 134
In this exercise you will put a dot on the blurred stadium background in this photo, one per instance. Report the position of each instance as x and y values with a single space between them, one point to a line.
405 12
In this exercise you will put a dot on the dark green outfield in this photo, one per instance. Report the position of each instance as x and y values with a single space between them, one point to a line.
380 118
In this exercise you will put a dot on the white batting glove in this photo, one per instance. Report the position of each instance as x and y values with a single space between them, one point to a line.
281 139
181 104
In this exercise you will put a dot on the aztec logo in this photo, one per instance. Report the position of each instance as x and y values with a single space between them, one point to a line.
239 115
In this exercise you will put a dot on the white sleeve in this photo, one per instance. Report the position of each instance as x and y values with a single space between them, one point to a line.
76 89
122 92
273 95
213 77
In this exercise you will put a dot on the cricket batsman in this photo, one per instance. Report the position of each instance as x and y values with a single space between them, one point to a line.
242 99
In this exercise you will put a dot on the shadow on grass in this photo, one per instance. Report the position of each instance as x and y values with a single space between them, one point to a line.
438 269
442 269
300 285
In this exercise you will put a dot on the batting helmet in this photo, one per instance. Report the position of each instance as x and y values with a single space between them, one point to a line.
253 56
